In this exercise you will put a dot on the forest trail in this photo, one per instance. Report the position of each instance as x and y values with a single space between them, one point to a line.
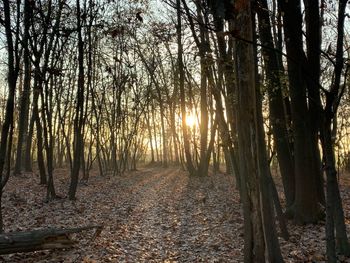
173 217
150 215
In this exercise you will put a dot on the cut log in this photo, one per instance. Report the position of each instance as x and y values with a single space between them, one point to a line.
51 238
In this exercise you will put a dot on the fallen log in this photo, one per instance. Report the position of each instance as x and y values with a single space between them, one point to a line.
42 239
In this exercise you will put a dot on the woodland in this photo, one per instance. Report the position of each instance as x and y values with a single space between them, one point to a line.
174 131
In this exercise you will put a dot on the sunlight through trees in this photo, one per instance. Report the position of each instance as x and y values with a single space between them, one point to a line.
258 90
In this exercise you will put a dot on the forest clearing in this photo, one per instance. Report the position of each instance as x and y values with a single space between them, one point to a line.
149 215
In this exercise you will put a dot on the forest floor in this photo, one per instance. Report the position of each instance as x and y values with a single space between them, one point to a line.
150 215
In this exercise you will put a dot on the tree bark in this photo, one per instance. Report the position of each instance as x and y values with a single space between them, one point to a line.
79 112
312 76
203 126
12 74
276 104
252 149
39 132
25 96
42 239
306 207
29 143
189 163
335 213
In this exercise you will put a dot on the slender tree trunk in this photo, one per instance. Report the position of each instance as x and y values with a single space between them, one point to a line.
265 180
224 131
25 96
39 132
29 143
335 212
12 74
276 104
313 44
331 174
79 117
203 128
174 136
155 133
189 163
150 136
164 135
48 138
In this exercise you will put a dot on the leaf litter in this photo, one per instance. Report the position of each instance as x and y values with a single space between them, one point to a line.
149 215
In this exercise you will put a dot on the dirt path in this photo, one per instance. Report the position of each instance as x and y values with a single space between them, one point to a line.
173 219
152 215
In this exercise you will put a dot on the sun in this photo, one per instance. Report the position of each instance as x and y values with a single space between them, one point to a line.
191 120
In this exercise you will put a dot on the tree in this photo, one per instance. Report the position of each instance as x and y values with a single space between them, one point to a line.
259 228
335 214
306 208
276 104
44 44
79 112
25 96
189 163
12 74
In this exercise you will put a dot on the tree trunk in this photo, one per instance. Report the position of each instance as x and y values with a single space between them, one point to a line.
25 96
79 112
150 136
162 124
39 132
48 135
29 143
174 136
335 212
312 76
306 207
252 150
276 105
265 180
40 239
203 128
12 74
189 163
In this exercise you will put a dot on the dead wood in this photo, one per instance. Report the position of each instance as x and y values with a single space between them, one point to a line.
50 238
